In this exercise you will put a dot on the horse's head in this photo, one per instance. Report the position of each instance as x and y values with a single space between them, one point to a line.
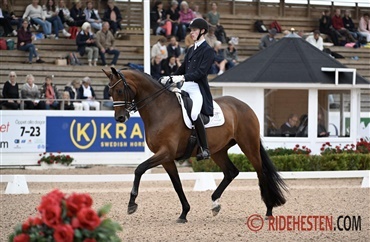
123 93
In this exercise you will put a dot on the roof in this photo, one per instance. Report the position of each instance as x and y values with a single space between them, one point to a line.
289 60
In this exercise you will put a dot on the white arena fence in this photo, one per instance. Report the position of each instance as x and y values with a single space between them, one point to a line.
17 184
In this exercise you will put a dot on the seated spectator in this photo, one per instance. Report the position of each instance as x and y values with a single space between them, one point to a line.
173 16
73 89
219 65
160 49
321 130
31 92
326 27
173 48
37 15
349 25
156 67
213 17
87 92
7 26
24 42
113 16
231 55
78 14
364 26
339 26
302 130
107 96
64 14
68 105
170 66
8 13
316 40
92 16
50 92
289 128
268 39
52 15
86 44
11 91
186 16
158 20
105 43
211 37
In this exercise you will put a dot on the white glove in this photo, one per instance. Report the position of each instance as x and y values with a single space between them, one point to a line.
164 79
172 79
177 79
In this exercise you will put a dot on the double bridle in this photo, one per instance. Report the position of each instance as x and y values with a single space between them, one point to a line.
132 106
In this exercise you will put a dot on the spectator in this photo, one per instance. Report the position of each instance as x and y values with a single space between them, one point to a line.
211 37
156 67
7 27
213 16
321 130
105 43
11 91
316 40
52 15
50 92
86 43
74 93
24 42
349 25
196 12
8 13
231 55
31 92
64 14
186 16
113 16
170 66
92 16
339 26
68 105
173 48
87 92
289 128
364 26
77 14
36 14
219 65
158 20
107 96
326 27
268 39
173 16
160 49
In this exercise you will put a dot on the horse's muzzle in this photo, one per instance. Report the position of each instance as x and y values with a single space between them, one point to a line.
123 118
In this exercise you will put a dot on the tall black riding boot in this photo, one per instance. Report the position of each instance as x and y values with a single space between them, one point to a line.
202 138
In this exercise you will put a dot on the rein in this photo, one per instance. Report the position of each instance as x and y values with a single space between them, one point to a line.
133 106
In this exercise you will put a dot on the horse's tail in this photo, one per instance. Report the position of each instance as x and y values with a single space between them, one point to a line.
272 189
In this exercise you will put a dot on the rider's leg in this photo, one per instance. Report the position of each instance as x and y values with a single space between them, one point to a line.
202 137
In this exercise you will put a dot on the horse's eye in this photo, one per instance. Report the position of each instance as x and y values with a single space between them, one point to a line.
120 91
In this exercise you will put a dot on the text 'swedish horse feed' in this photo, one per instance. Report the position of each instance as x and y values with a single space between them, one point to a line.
167 137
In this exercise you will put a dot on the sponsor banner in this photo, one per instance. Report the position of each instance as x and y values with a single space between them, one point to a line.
22 133
94 134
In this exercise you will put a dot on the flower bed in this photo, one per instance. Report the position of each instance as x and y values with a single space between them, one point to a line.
50 159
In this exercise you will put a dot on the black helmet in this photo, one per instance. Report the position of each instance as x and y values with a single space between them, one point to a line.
199 23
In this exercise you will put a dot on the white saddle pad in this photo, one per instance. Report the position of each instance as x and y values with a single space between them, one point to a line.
218 118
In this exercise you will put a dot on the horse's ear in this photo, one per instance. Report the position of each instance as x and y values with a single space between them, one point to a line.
114 71
107 73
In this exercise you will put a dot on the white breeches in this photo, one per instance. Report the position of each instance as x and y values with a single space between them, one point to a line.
367 35
77 106
91 103
194 92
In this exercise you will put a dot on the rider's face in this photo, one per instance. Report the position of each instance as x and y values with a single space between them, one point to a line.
194 33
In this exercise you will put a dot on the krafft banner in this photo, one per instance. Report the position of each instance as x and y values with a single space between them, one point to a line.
94 134
22 133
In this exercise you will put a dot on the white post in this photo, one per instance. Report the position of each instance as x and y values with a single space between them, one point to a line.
147 36
17 186
355 114
204 182
312 115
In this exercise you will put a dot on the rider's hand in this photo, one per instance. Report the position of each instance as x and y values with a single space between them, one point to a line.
177 79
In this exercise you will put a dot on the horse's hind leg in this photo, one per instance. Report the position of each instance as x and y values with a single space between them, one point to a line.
171 169
221 158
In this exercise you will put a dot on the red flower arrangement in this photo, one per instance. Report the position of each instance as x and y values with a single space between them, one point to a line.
55 159
65 218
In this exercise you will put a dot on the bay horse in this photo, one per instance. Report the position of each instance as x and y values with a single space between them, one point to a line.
166 136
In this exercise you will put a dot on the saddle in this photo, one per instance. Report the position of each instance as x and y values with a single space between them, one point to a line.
188 104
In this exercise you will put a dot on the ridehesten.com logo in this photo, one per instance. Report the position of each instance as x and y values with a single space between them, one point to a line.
256 222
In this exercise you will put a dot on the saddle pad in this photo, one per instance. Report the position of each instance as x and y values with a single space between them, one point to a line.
218 118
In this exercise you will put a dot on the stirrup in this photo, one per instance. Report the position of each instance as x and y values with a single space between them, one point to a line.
204 155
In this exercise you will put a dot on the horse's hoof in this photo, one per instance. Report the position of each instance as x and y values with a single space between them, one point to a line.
181 220
132 208
216 210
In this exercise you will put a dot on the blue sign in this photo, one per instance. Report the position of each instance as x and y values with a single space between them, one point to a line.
94 134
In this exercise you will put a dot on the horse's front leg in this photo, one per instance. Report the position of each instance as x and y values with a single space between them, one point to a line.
139 171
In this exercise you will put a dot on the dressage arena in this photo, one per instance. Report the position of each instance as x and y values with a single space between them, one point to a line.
159 208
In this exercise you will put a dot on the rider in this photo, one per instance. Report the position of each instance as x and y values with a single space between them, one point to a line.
197 62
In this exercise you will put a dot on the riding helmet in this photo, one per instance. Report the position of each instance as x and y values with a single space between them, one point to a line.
199 23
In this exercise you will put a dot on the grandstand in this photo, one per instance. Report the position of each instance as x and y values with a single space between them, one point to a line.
237 17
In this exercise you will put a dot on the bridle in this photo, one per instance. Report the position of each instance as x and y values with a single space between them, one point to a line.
132 106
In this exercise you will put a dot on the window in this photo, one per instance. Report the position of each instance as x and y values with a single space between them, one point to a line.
334 112
286 113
